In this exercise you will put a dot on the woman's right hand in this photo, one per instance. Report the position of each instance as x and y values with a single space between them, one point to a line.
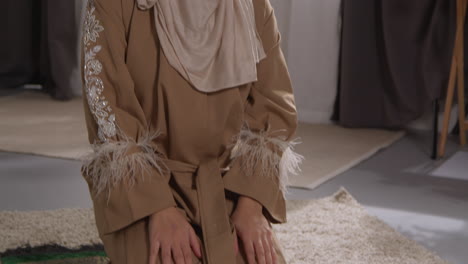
171 235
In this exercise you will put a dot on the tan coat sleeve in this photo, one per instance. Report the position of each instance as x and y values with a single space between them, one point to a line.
125 173
264 153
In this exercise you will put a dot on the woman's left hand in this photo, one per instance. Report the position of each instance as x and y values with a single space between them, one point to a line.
254 231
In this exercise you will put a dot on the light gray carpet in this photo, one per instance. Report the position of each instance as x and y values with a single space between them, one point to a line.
334 229
330 150
31 122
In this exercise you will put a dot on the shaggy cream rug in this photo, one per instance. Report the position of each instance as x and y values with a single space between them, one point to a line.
332 230
337 229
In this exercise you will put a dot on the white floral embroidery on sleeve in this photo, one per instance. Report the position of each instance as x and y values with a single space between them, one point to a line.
94 85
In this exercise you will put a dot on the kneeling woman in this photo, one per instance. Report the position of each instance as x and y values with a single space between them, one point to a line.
191 115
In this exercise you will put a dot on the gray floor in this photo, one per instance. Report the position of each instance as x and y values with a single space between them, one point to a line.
398 185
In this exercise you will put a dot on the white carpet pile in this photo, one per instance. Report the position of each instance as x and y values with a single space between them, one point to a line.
337 229
332 230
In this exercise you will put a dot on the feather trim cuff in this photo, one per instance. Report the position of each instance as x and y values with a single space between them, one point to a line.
275 156
126 160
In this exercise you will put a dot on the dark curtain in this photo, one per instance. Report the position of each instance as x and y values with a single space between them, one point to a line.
395 60
41 46
19 56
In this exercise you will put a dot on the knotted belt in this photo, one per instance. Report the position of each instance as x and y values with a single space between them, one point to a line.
218 237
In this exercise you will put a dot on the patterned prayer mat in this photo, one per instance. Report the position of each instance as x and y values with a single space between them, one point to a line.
54 254
67 235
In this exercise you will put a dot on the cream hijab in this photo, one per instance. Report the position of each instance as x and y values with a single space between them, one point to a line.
213 44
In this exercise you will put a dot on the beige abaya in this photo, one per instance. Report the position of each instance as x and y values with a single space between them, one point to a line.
159 142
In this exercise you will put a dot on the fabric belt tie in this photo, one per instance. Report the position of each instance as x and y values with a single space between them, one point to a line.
218 236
